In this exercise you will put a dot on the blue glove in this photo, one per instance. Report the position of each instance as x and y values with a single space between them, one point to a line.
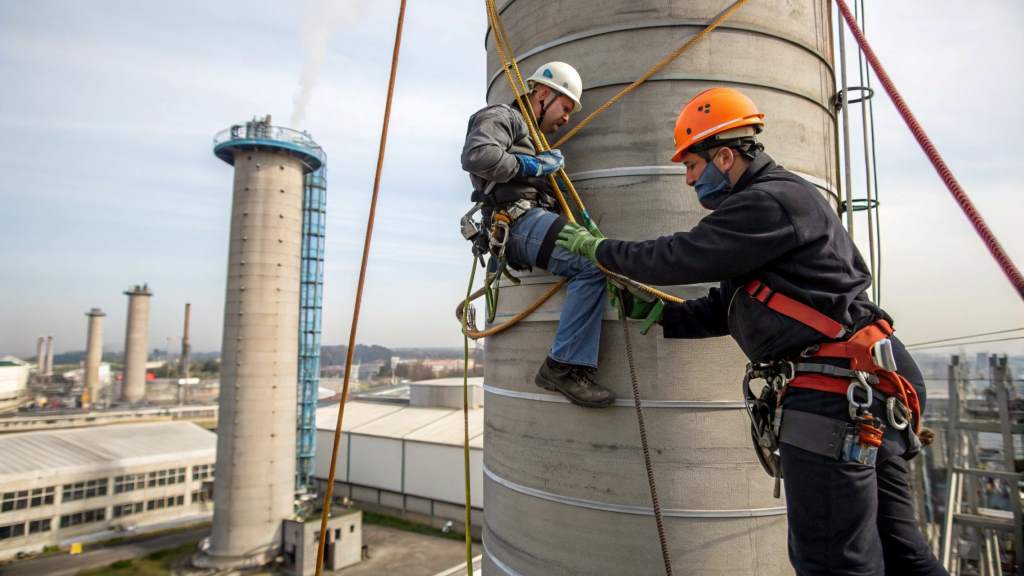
540 165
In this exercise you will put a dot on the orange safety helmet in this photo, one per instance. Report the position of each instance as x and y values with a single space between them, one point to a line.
712 112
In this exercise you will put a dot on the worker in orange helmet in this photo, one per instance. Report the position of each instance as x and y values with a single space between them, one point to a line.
839 411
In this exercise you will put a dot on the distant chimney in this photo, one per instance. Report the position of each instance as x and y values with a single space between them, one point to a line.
136 344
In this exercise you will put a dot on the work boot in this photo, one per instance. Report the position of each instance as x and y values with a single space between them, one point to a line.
575 383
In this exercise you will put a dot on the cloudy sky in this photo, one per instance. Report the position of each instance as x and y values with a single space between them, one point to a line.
108 109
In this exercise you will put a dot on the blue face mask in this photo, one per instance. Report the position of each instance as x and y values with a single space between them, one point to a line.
712 186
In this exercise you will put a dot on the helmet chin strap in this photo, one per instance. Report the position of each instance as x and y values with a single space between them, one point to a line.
544 108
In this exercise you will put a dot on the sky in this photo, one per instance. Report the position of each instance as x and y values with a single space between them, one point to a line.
108 110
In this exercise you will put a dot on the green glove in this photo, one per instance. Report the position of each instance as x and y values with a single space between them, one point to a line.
637 308
579 240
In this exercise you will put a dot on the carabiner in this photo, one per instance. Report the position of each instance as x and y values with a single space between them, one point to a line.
500 232
903 420
855 406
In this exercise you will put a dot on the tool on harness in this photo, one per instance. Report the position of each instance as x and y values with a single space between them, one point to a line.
499 233
475 232
765 411
862 440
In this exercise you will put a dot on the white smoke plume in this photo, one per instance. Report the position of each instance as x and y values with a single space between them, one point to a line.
321 19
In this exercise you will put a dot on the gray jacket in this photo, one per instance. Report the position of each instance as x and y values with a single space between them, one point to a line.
494 135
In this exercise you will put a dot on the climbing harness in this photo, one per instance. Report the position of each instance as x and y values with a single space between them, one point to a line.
871 373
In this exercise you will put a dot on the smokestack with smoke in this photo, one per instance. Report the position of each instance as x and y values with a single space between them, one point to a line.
321 19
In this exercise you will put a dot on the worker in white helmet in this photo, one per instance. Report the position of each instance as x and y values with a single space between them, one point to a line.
509 179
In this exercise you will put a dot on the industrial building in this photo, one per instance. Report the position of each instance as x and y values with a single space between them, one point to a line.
63 486
405 458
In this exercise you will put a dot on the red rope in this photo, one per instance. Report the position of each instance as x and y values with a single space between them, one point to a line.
1002 258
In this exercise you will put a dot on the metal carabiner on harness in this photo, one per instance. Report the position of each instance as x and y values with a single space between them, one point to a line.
500 233
765 412
898 414
857 408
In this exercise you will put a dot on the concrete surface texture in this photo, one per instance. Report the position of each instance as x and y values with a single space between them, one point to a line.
565 487
93 353
254 487
136 344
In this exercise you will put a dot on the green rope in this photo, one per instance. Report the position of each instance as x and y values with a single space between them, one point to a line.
465 422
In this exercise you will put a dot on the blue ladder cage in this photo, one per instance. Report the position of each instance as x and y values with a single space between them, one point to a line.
311 297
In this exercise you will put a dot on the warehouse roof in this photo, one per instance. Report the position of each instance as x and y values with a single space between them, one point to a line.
102 448
398 421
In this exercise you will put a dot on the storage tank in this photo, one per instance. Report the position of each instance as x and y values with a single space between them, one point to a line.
565 487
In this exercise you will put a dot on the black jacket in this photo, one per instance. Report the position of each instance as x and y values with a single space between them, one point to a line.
776 227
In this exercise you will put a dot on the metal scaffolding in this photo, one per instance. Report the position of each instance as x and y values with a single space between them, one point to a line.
314 212
973 518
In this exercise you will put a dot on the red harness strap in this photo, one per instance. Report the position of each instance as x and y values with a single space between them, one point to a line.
796 310
856 349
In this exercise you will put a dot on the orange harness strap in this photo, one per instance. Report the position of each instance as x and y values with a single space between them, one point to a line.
856 349
796 310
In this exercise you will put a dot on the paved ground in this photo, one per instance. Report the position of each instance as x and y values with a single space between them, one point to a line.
65 565
399 553
392 552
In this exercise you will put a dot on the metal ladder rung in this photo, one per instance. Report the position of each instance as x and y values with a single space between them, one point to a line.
984 522
991 473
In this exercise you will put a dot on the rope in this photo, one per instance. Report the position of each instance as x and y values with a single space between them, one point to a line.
478 334
359 291
722 17
465 427
1001 257
655 503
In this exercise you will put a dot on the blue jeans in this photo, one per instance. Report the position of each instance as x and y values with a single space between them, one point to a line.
579 328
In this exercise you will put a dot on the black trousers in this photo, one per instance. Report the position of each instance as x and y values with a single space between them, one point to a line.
848 518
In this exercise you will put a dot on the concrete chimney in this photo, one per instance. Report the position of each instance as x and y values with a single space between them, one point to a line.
254 488
186 344
565 488
136 344
49 356
41 356
93 354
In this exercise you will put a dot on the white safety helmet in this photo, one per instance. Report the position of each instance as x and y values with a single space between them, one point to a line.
561 77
